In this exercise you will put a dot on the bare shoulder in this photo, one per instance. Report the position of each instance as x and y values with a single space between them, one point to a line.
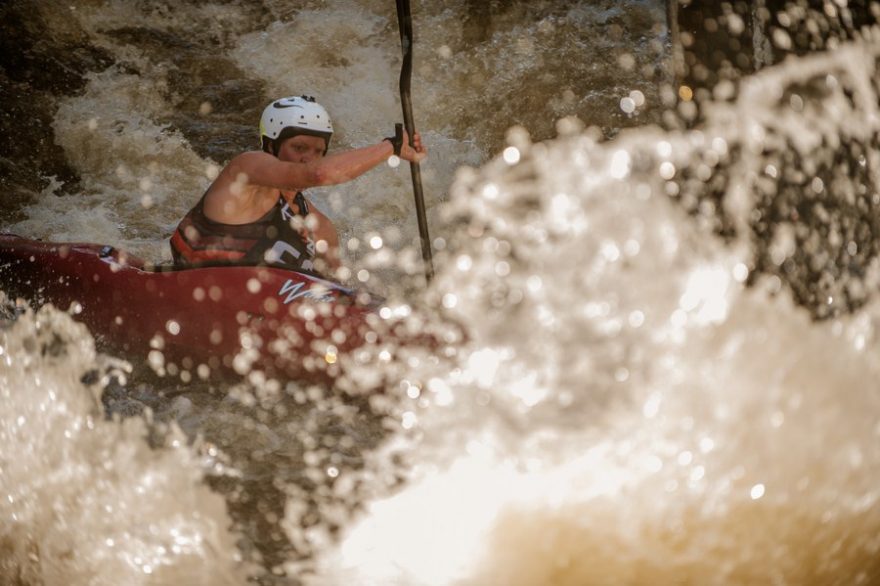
237 195
265 170
249 161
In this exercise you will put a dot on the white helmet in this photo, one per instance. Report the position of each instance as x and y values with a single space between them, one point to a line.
293 116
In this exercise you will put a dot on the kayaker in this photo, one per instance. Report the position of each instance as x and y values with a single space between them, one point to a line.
255 212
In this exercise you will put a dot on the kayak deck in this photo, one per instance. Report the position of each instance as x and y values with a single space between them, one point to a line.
193 319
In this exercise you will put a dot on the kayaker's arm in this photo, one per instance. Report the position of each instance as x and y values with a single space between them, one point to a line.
261 168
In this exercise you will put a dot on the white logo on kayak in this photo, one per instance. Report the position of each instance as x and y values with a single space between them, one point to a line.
280 248
297 290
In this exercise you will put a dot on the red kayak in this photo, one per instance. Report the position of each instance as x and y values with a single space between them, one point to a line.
193 321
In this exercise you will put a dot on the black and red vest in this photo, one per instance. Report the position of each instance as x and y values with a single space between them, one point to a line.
271 240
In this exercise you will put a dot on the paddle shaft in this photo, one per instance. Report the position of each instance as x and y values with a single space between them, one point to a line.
404 21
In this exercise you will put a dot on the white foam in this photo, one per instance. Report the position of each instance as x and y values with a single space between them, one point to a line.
648 419
86 500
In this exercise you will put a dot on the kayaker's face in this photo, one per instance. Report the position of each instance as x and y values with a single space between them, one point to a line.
302 149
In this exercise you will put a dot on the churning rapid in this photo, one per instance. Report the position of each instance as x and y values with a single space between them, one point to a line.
671 366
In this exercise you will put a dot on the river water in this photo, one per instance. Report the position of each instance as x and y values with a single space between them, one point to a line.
671 358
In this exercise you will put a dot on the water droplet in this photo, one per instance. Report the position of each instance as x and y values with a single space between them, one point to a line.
652 405
408 420
636 319
707 444
620 164
413 391
638 98
757 492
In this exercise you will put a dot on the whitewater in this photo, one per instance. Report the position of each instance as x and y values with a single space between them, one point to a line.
670 362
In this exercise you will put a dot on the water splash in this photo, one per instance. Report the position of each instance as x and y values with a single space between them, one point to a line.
631 411
68 472
627 410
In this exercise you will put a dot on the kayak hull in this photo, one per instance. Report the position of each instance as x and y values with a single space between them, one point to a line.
195 320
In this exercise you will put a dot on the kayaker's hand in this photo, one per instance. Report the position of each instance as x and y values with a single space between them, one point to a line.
415 153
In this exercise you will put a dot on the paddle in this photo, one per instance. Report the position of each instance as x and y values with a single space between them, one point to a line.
404 22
